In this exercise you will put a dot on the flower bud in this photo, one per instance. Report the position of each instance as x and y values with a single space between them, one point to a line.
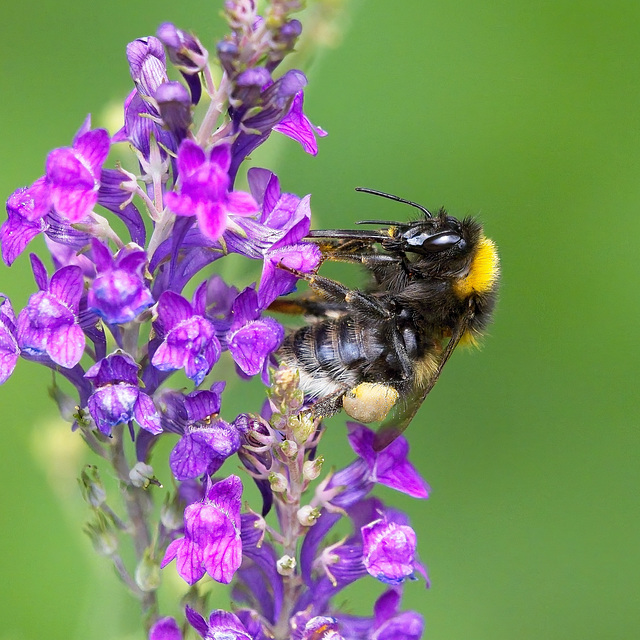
248 85
311 469
289 448
148 572
66 403
142 476
278 482
308 515
229 55
303 426
285 393
102 534
172 512
184 49
284 39
286 565
174 103
91 486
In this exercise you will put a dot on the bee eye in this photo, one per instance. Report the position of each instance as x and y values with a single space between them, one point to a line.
433 243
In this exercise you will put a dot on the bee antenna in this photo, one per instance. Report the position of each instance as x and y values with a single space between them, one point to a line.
397 199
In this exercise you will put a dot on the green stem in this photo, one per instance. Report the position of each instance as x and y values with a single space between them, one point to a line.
137 505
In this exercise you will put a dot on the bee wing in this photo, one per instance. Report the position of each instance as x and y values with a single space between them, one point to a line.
394 427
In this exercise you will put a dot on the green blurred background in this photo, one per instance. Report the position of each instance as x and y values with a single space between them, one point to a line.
522 112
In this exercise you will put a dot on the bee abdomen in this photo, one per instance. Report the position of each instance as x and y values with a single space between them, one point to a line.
330 355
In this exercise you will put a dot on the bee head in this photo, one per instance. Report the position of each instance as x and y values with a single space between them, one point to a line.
442 245
434 243
433 236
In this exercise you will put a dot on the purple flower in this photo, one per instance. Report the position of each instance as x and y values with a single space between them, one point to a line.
119 293
147 64
142 120
279 211
275 281
184 49
256 118
321 628
49 323
211 543
389 550
204 189
390 466
388 623
206 440
251 339
9 349
297 126
23 223
117 397
290 216
189 340
174 105
26 219
117 200
220 298
63 255
222 625
165 629
383 545
258 583
73 173
276 235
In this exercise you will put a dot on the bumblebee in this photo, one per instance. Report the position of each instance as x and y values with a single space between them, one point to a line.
433 285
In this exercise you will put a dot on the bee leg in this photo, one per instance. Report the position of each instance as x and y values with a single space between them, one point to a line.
406 363
370 259
328 406
338 292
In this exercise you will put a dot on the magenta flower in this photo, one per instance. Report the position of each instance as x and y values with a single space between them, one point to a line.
204 189
70 185
24 222
211 543
73 173
206 440
251 338
297 126
390 466
143 117
9 349
391 624
288 217
165 629
48 325
388 623
119 292
389 550
222 625
188 338
117 397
